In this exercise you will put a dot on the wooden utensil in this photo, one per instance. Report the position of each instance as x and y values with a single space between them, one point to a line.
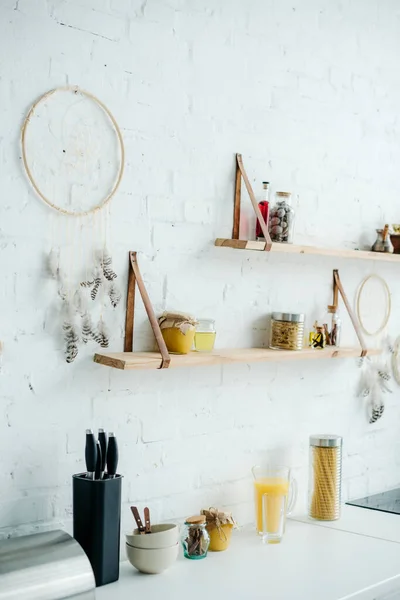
138 520
147 520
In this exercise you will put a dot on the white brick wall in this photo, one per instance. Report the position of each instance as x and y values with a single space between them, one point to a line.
309 92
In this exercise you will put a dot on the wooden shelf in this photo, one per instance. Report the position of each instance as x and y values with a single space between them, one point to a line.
152 360
296 249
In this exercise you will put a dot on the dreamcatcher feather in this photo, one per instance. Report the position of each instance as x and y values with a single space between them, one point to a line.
71 339
373 385
114 294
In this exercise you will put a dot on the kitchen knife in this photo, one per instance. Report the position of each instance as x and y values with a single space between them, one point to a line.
112 455
90 454
99 459
103 445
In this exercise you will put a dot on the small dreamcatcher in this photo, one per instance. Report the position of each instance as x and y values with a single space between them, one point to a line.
73 162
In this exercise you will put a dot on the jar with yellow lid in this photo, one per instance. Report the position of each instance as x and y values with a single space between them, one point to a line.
178 330
219 527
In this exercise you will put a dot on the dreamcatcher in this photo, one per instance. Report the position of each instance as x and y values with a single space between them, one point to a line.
72 162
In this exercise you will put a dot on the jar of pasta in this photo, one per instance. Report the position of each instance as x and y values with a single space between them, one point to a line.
287 331
325 478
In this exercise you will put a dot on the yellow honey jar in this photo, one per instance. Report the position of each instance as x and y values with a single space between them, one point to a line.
178 330
219 527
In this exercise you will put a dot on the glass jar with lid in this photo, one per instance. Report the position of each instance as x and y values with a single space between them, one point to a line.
325 478
195 538
287 331
204 338
281 219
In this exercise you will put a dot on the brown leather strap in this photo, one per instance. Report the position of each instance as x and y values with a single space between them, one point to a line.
130 310
264 227
236 204
352 316
165 357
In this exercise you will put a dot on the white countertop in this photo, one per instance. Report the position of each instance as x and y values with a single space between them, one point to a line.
374 523
357 557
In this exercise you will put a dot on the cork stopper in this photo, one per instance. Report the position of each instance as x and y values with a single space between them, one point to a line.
332 309
284 194
196 520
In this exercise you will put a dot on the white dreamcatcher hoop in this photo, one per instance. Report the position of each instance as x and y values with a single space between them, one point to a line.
35 185
388 307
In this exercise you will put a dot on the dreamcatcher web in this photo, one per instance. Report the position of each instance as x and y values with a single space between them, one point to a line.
72 151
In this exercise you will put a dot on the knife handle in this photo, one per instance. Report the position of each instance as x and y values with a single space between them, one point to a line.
90 453
112 455
97 474
103 445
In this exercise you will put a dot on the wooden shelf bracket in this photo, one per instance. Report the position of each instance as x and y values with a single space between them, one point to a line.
338 287
241 173
135 278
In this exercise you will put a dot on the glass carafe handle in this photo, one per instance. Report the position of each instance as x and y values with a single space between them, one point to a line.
292 496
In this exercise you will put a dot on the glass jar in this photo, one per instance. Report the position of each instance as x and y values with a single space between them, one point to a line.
178 330
195 539
287 331
325 477
281 219
204 338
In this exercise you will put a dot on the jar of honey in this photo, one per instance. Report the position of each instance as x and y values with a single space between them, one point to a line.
178 331
219 527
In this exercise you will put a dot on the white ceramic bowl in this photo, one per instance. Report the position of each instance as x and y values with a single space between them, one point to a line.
161 536
152 561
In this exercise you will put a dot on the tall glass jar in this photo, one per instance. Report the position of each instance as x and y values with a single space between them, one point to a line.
204 338
281 219
195 538
325 478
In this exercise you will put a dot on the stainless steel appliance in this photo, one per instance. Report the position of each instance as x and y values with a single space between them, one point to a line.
45 566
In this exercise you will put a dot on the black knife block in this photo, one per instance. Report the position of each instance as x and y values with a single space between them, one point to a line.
96 506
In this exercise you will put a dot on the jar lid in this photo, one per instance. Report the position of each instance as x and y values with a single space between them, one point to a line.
196 520
180 320
284 194
291 317
326 440
219 517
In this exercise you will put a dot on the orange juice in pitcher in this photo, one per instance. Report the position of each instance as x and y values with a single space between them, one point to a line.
275 494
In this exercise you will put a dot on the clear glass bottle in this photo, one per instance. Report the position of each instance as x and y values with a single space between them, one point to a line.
281 221
204 338
325 477
264 210
336 331
195 538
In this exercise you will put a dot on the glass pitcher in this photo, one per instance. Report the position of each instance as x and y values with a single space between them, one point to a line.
271 483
